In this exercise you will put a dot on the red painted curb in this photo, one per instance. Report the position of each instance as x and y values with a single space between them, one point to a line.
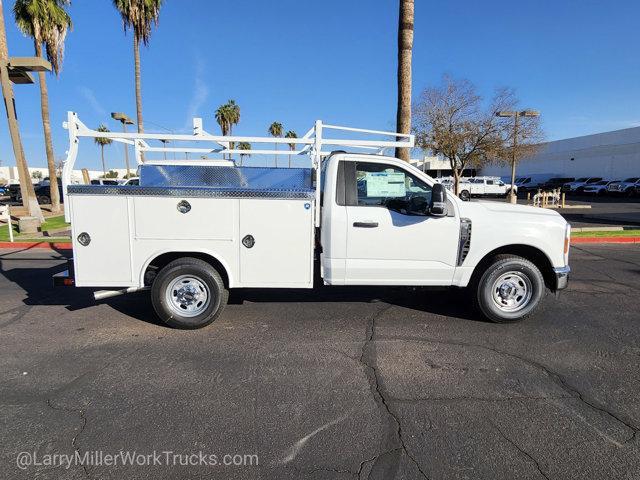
605 240
28 245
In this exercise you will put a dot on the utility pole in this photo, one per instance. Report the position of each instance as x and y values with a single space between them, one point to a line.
513 196
125 120
29 200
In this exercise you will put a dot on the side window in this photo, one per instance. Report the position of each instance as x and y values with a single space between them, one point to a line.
387 186
490 182
95 182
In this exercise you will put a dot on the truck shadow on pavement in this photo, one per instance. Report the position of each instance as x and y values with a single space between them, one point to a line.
33 275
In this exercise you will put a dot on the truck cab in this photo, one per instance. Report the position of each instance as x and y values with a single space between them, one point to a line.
377 229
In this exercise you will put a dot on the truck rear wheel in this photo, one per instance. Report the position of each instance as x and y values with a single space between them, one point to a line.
510 289
188 293
465 195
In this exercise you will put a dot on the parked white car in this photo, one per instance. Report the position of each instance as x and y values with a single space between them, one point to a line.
483 187
578 185
189 233
598 188
628 186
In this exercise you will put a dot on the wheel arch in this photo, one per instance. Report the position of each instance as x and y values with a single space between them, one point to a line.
529 252
158 260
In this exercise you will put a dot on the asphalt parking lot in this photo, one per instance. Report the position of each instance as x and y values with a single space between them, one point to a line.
331 383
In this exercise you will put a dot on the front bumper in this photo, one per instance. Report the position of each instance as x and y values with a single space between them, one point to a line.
562 277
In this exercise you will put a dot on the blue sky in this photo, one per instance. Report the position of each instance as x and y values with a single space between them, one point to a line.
577 62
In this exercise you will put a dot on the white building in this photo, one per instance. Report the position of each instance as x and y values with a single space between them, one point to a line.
8 174
437 167
611 155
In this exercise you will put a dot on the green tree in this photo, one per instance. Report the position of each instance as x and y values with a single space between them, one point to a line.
47 23
292 146
244 146
139 16
102 141
275 130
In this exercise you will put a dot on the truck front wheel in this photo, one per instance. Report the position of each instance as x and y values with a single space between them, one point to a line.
510 289
188 293
465 195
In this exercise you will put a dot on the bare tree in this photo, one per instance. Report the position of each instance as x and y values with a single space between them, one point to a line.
450 121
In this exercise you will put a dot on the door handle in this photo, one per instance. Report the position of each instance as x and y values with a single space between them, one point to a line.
365 224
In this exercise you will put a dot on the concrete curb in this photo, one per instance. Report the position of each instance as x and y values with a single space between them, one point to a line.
29 245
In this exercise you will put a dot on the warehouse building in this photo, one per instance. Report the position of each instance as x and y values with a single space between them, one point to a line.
611 155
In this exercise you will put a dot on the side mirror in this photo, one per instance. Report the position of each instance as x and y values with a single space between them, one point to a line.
438 204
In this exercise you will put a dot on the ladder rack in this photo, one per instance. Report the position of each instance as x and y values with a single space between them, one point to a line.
314 143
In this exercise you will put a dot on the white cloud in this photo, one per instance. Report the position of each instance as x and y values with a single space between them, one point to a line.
199 97
92 101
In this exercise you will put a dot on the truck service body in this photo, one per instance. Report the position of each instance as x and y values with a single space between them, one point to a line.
191 230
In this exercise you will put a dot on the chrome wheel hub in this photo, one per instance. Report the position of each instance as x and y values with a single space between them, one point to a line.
188 296
512 291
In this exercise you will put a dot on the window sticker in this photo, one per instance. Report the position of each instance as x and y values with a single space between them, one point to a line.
385 184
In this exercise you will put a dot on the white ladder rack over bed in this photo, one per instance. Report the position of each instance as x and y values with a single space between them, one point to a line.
313 143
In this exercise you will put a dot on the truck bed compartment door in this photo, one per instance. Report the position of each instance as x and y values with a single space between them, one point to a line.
102 256
276 238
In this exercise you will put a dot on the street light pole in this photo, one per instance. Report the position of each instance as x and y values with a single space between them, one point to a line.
29 200
513 196
125 120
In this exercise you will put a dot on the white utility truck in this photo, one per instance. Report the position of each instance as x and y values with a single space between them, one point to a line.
193 229
482 187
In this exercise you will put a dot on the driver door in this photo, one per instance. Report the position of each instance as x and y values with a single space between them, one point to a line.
390 238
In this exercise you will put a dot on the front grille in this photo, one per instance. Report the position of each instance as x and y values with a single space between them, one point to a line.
464 242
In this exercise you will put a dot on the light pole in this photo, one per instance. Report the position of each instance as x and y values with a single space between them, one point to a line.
125 120
16 70
164 142
513 197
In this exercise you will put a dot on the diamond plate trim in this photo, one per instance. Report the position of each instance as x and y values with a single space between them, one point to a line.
134 190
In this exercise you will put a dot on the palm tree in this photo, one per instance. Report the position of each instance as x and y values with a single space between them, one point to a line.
405 47
227 116
275 130
222 117
233 114
139 16
292 146
46 22
102 141
243 146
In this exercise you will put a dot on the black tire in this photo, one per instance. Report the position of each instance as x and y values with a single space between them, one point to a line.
210 282
517 272
465 196
44 200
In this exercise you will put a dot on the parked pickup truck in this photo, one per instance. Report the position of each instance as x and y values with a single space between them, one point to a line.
192 232
484 187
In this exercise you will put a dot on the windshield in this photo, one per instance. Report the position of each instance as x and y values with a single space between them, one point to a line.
632 180
604 182
581 180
